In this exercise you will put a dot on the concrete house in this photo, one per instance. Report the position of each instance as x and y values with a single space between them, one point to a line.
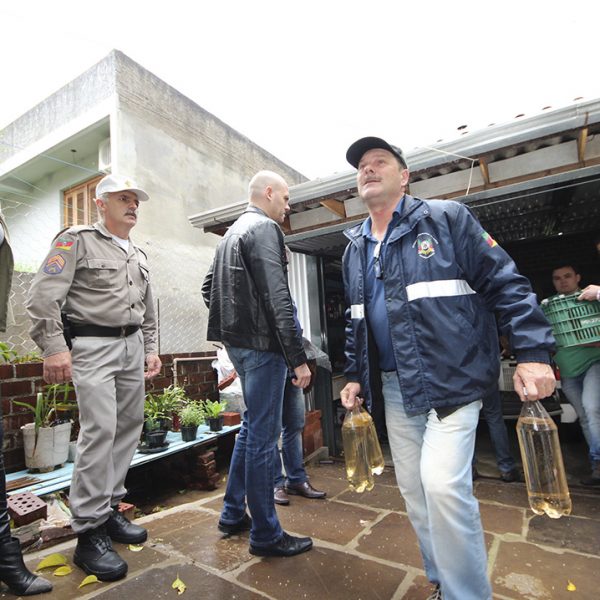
118 117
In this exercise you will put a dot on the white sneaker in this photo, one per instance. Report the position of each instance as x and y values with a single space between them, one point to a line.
437 595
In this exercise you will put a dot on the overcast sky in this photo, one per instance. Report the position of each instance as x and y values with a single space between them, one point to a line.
305 79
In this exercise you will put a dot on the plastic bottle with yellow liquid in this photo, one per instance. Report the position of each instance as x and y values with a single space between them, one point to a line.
542 462
362 451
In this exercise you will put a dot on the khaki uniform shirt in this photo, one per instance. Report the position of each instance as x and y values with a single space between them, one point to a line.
94 281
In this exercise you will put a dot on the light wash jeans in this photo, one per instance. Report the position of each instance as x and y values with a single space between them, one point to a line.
251 470
291 438
583 392
432 459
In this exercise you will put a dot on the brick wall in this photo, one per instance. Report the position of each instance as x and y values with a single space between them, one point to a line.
21 382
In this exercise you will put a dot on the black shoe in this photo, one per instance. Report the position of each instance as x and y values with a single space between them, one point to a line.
510 476
244 525
15 574
280 496
288 545
304 489
124 531
95 555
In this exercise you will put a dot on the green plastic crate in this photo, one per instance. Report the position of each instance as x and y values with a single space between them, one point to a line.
574 322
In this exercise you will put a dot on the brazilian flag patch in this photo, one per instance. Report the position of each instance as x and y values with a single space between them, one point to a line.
489 240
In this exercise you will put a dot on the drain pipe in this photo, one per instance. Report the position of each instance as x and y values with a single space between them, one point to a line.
176 361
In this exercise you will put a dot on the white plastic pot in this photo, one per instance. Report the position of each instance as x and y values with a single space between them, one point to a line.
52 447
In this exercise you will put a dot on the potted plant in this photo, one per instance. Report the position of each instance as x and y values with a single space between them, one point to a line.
190 416
46 440
155 431
213 410
155 436
166 403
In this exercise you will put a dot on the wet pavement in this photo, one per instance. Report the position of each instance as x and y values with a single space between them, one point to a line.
364 548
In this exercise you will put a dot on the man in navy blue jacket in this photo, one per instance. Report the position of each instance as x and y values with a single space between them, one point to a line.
423 282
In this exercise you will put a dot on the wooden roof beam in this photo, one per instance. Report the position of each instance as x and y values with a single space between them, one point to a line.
335 206
581 143
485 173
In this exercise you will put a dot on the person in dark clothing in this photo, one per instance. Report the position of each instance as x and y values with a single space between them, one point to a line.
250 311
13 571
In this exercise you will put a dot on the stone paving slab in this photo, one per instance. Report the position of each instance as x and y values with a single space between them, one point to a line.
67 587
194 533
586 503
509 494
200 584
502 519
582 535
326 520
323 573
394 539
526 571
381 496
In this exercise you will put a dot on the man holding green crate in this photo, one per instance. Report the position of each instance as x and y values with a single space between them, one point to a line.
580 370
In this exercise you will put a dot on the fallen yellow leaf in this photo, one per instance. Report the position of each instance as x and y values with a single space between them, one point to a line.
571 586
179 586
135 548
89 579
62 571
54 560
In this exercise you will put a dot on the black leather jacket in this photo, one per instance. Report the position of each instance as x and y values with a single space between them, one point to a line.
246 290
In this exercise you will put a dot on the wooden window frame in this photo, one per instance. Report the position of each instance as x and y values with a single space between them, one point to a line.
79 207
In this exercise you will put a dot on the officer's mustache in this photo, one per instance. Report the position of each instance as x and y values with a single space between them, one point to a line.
131 213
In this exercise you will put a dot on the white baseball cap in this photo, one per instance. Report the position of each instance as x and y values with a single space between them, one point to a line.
118 183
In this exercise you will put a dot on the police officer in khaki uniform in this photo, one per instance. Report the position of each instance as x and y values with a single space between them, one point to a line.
99 280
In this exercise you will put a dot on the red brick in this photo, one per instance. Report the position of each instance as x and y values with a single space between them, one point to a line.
187 367
34 369
25 508
231 418
16 388
6 372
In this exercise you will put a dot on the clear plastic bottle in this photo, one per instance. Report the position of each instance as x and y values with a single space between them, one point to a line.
354 436
542 462
374 453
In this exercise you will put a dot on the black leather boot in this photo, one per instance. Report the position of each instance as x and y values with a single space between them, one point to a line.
13 571
15 574
124 531
95 555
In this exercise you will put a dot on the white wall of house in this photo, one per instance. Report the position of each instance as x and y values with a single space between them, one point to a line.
184 157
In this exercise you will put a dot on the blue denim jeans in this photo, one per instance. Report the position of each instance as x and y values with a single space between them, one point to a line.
432 459
583 392
492 412
251 472
291 438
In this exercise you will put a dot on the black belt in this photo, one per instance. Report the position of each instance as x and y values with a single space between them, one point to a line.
100 331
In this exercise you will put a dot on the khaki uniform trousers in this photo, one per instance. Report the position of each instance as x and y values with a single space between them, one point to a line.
108 374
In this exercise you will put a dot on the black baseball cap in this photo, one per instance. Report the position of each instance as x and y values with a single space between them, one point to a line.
357 150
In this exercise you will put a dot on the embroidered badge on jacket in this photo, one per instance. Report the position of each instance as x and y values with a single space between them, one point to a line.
425 244
54 265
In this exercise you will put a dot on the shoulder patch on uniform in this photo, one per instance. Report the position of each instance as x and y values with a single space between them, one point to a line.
63 243
54 265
